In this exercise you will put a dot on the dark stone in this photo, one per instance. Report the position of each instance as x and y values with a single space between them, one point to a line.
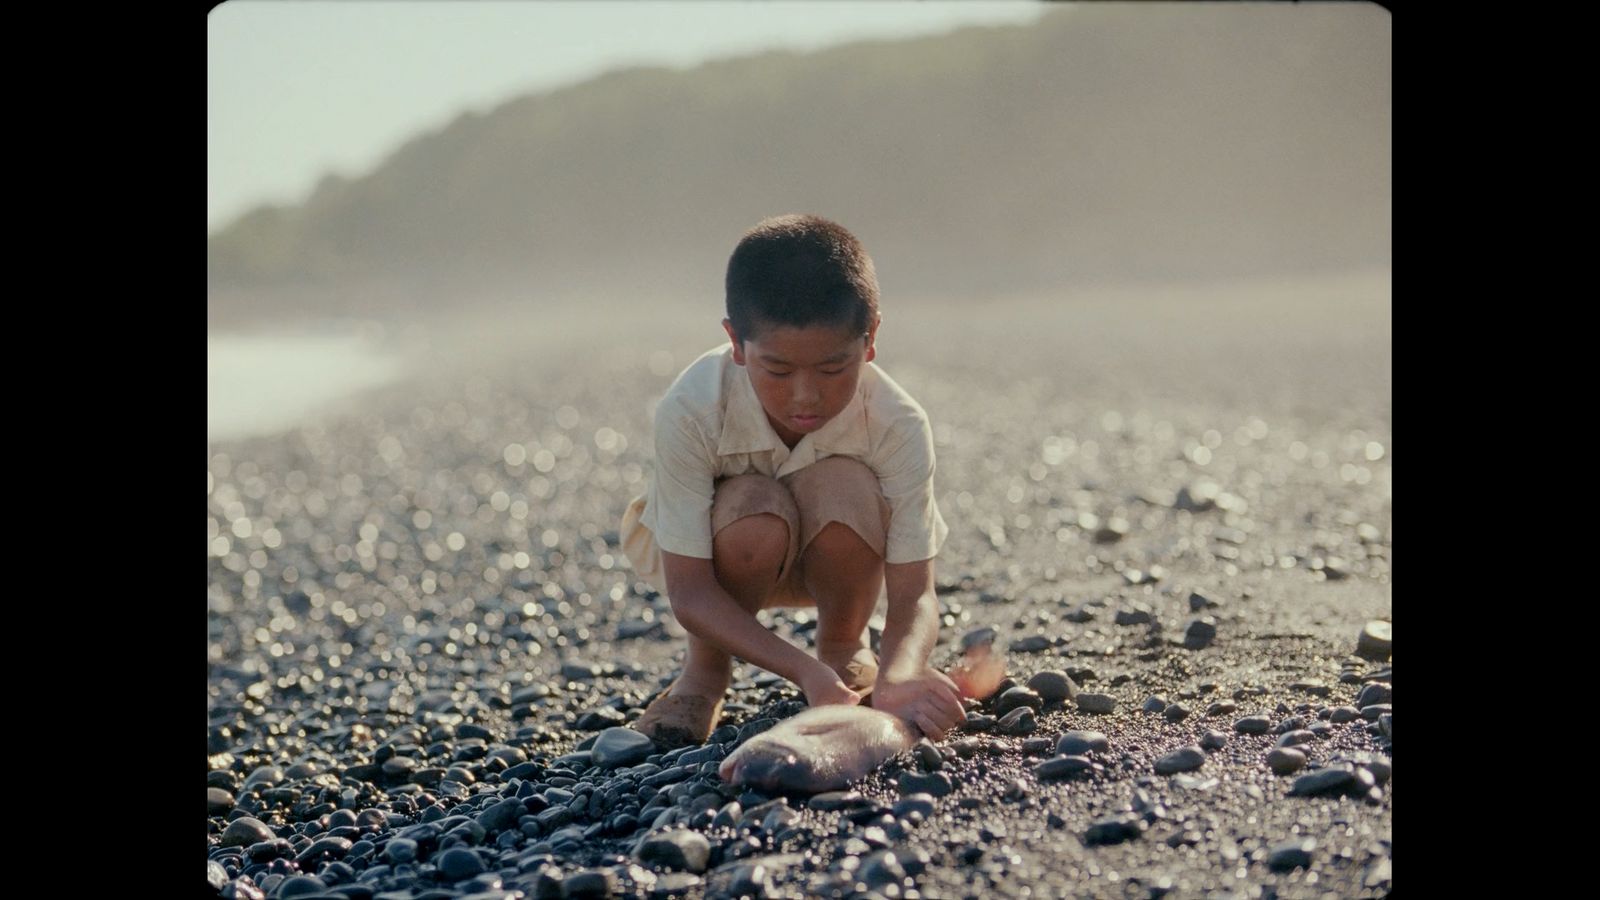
589 884
1033 643
677 849
1296 738
1018 722
1371 713
1062 767
1221 708
1213 740
1077 743
502 815
617 748
936 784
218 801
1294 853
1017 698
1154 705
1177 712
1339 715
1114 830
1053 684
1285 760
1253 725
1133 616
1199 601
1100 704
1376 641
599 719
244 831
1184 759
1200 633
1374 693
1331 780
300 886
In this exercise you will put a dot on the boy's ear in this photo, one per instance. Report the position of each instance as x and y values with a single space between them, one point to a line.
738 345
872 336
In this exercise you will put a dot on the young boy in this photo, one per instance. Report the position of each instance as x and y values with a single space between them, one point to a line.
789 471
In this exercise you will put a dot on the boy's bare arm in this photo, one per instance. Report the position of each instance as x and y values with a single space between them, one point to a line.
709 612
907 686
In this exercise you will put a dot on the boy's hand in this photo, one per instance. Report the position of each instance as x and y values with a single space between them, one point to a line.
929 701
823 687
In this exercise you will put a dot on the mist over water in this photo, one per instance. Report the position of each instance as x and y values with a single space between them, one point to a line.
263 383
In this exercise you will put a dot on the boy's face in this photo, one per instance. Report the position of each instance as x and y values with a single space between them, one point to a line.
803 376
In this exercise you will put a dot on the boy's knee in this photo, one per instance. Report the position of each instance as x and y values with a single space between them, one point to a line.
837 540
755 544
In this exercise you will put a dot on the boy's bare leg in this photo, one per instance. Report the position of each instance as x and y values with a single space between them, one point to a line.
844 576
746 556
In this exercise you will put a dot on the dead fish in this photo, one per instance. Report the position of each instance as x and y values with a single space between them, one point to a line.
827 747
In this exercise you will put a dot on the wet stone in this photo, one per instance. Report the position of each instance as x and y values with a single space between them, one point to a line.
620 747
1184 759
218 801
599 719
1285 760
300 886
1099 704
245 831
458 864
1253 725
836 800
1077 743
928 756
590 884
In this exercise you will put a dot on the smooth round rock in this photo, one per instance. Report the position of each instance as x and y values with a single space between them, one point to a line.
246 830
1376 641
836 800
300 886
1062 767
1252 725
1114 830
978 636
1213 740
1285 760
1339 715
1297 737
1294 853
1018 698
1200 633
1323 781
617 748
1098 704
589 884
1376 692
1154 705
937 784
1078 743
218 801
1018 722
1175 712
678 850
1184 759
458 864
400 850
1052 685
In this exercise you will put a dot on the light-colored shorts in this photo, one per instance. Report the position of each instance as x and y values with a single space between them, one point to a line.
836 489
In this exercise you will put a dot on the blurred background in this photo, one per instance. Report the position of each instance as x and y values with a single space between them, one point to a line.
428 184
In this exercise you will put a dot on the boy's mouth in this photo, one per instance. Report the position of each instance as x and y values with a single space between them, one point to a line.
806 421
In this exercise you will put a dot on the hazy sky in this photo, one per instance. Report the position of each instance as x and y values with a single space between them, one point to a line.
299 88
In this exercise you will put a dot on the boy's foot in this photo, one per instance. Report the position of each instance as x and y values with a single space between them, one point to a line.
681 715
857 667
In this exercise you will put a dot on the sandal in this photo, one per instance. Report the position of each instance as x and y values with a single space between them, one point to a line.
677 721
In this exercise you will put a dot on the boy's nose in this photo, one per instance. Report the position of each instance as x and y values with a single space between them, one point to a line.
805 392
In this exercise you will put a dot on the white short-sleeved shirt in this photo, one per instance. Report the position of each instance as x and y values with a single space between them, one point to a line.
710 425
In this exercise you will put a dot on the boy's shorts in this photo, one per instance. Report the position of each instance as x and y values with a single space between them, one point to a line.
836 489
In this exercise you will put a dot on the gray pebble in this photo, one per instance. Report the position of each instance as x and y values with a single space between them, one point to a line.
1176 712
1184 759
244 831
1285 760
1062 766
218 801
1053 684
1294 853
1200 633
1252 725
1154 705
1077 743
937 784
1017 698
1297 737
620 747
1101 704
678 849
1114 830
459 863
1213 740
1033 643
1339 715
1018 722
1376 692
1376 641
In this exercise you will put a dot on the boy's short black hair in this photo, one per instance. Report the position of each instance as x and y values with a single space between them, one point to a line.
799 271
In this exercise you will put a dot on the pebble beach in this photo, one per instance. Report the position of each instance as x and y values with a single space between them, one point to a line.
1171 507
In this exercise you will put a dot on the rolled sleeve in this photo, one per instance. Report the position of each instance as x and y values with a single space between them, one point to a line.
916 530
678 511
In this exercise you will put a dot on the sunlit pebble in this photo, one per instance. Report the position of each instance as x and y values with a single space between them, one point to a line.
1374 451
455 540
